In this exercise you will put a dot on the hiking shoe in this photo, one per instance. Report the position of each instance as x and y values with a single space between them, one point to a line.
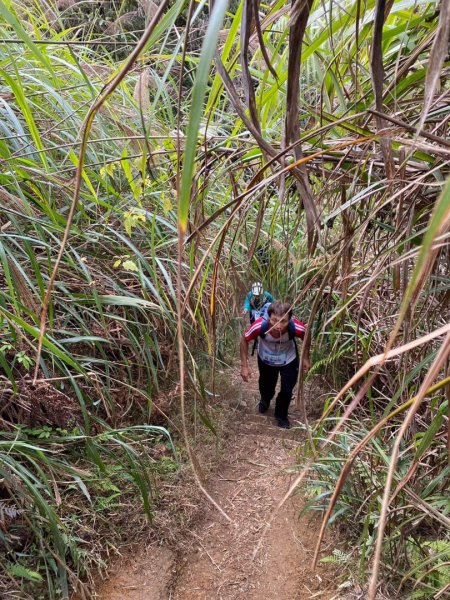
283 423
263 407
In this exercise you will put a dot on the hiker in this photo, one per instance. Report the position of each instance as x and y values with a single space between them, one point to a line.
257 303
277 355
255 300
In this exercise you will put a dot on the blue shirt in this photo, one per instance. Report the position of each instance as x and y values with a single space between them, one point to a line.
255 303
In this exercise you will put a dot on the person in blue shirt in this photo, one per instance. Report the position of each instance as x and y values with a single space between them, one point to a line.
255 300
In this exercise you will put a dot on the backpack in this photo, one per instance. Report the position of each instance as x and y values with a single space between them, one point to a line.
265 327
261 302
263 313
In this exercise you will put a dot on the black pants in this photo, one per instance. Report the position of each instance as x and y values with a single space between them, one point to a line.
268 377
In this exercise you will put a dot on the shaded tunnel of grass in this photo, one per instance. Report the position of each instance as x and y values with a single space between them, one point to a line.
319 184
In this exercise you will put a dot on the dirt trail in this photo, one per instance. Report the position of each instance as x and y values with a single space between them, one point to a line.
248 484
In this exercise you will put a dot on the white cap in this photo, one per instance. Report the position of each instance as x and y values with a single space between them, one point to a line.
257 288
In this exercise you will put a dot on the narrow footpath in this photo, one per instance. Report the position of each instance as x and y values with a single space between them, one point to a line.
219 564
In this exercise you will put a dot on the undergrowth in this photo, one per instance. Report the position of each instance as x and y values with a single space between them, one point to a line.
67 497
304 144
417 543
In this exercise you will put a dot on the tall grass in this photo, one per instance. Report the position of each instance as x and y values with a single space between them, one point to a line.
111 319
362 245
327 182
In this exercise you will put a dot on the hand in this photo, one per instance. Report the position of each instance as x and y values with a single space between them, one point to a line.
245 311
306 365
245 374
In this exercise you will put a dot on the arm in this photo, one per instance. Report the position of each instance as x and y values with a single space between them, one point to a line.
300 329
247 306
269 297
243 348
251 333
306 365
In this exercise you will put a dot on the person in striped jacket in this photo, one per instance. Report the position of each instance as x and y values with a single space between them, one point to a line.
277 356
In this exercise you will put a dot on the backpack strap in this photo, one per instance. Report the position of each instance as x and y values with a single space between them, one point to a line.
257 303
264 328
291 329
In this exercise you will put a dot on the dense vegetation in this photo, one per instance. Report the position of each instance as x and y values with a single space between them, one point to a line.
178 154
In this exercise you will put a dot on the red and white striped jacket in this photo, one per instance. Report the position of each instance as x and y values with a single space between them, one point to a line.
254 330
275 351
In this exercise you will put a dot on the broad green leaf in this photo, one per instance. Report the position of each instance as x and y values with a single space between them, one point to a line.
196 110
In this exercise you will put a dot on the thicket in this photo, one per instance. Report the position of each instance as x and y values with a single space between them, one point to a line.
306 145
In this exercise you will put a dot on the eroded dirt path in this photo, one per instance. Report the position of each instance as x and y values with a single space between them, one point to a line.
218 563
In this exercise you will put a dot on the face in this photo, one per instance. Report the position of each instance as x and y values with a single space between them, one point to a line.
278 325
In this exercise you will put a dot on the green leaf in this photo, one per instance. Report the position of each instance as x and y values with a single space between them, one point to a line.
129 301
24 573
441 215
11 18
198 97
431 431
130 265
47 343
